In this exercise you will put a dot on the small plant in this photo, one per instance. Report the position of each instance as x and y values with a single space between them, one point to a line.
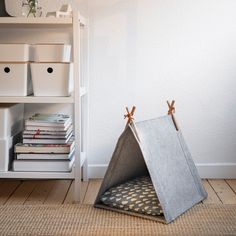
33 7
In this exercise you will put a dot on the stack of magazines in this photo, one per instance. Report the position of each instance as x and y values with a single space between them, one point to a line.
48 144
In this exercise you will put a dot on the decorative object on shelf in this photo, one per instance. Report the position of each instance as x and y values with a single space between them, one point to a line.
65 11
3 9
14 8
31 8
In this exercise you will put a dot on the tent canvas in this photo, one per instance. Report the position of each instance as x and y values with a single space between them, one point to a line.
156 148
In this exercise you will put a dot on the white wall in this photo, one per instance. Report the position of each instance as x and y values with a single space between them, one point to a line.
145 52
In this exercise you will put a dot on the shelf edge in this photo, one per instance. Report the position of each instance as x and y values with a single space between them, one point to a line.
31 99
37 175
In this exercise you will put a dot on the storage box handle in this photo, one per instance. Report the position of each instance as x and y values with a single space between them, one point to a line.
49 70
7 69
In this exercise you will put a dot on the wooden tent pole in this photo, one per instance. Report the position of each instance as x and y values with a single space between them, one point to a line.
130 121
171 112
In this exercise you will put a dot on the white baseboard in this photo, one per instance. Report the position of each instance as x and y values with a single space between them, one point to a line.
217 170
206 170
96 171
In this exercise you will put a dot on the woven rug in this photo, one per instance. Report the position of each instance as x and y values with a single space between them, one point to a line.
84 220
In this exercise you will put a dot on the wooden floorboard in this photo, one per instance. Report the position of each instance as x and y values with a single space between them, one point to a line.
92 191
58 192
70 195
212 196
223 191
40 193
7 188
31 192
84 188
69 199
22 193
232 184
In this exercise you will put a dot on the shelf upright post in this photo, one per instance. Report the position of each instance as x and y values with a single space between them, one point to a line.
77 104
85 99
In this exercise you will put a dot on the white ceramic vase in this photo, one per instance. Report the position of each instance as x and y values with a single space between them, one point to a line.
14 7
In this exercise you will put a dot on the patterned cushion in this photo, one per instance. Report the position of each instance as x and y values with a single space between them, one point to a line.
137 195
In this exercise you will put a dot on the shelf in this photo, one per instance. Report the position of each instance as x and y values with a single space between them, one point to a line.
67 30
37 175
43 175
32 99
40 21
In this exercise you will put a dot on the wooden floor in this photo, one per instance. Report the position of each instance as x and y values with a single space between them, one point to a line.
29 192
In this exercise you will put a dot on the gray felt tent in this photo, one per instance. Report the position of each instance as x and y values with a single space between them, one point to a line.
156 148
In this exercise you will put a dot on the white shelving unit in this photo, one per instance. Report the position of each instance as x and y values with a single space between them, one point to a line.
77 35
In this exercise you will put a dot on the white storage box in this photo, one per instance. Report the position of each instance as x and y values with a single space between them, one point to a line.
7 151
15 53
15 79
11 119
52 53
52 79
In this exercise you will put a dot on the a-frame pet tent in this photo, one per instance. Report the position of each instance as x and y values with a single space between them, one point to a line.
155 148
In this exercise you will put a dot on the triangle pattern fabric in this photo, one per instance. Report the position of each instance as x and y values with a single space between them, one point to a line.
155 148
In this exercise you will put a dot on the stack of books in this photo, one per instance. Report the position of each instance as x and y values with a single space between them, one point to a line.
48 144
